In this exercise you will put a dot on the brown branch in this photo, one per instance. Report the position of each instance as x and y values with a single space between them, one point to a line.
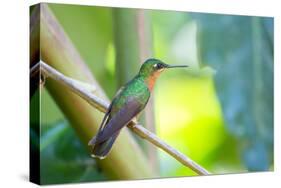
102 105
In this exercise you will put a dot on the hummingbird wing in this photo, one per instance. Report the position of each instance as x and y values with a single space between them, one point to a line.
105 118
103 123
120 119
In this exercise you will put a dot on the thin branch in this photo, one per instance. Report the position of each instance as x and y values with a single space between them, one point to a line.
102 105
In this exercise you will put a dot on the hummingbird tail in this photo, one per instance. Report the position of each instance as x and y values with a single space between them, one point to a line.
101 150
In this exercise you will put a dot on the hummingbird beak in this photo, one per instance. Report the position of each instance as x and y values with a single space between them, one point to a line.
176 66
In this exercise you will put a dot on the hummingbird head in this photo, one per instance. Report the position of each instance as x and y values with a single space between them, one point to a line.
151 69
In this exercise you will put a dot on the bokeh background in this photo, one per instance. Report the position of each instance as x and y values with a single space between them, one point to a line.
219 111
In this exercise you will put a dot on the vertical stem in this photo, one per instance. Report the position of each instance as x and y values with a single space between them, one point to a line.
126 44
127 48
146 51
132 34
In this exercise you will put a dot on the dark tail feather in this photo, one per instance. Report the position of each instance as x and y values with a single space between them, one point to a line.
100 150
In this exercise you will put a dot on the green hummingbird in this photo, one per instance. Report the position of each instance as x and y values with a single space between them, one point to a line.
128 102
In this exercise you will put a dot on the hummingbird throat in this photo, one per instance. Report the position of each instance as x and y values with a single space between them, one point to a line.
150 81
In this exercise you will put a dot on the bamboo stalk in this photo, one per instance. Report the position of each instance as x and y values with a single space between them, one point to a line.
136 128
146 51
133 45
126 45
127 52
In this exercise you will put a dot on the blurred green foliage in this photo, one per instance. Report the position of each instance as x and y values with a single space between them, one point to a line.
240 48
64 158
222 117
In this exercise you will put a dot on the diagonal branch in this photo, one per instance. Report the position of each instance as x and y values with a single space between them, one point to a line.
101 105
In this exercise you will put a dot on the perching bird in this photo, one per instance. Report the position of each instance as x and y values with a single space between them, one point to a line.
128 102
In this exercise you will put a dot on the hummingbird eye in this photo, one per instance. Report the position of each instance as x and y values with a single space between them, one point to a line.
158 66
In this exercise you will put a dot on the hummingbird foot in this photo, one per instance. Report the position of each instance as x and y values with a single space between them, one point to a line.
99 157
134 122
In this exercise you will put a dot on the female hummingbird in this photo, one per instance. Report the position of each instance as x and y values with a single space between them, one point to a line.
128 102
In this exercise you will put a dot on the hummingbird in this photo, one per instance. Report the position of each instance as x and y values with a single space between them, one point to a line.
128 102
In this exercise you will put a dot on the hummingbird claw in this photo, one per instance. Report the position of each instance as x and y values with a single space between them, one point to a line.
99 157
